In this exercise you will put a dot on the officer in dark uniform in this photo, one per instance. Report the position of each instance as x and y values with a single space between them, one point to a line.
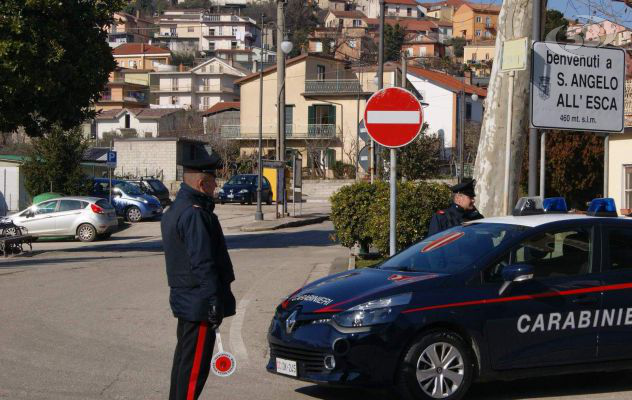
199 273
461 209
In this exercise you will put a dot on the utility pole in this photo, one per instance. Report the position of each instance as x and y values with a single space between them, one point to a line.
259 212
380 84
461 132
281 99
533 132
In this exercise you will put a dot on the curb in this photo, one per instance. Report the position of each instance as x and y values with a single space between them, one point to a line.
289 224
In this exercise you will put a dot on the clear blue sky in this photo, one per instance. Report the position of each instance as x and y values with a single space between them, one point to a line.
608 9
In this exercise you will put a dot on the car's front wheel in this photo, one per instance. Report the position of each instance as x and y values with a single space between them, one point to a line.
86 233
439 365
133 214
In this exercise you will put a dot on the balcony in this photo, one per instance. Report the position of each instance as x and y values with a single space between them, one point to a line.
214 89
230 131
181 89
166 34
321 131
332 87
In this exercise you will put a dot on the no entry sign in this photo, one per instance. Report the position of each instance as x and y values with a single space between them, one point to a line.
393 117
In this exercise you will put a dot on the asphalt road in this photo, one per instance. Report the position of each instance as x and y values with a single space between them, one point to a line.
92 321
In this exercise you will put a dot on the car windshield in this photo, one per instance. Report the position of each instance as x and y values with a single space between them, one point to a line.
157 186
453 250
242 180
129 188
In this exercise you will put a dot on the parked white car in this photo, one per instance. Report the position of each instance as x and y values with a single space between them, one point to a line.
86 218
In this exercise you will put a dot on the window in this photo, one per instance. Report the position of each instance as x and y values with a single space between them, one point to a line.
221 68
211 46
211 32
409 12
487 56
46 207
155 63
468 111
174 83
289 119
321 114
341 22
127 121
619 248
233 45
173 31
488 22
206 101
627 187
478 32
133 64
357 23
396 9
70 205
479 20
473 56
190 29
320 72
488 34
318 47
352 43
552 254
211 68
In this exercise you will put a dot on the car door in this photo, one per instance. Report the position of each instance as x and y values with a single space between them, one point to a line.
616 318
67 216
41 221
546 320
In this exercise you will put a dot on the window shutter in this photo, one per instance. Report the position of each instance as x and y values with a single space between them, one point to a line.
311 115
332 114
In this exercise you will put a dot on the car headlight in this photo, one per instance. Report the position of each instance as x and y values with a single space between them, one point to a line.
373 312
243 191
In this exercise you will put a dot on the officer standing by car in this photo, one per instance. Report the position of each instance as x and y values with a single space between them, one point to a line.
461 209
199 273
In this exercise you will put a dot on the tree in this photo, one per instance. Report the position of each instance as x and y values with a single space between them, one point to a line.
419 159
393 41
54 163
574 166
554 20
54 61
457 43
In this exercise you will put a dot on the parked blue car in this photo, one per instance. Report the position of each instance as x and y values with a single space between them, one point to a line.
128 199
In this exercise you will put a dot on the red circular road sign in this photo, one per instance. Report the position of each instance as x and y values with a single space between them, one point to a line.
393 117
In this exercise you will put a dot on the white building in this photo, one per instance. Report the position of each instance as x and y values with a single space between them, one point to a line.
141 122
199 88
441 92
198 30
393 8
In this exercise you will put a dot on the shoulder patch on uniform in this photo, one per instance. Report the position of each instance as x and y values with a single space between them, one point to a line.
196 206
440 212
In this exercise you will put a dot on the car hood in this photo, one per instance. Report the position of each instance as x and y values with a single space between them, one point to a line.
342 291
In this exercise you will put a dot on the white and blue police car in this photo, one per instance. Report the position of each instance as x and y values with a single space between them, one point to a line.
540 292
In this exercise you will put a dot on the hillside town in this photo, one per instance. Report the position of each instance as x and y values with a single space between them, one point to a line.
421 199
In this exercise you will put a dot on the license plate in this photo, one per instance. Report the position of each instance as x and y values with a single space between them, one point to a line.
286 367
230 196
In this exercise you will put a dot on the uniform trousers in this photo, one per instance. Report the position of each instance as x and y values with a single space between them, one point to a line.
192 359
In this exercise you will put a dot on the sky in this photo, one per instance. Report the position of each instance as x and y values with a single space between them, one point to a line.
608 9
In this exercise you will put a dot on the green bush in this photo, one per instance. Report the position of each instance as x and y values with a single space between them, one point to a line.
349 212
343 171
360 212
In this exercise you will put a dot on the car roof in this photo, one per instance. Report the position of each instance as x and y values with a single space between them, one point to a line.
82 198
542 219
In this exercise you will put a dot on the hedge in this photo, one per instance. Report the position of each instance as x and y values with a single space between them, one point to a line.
360 213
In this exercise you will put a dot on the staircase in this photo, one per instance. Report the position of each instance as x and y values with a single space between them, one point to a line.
319 191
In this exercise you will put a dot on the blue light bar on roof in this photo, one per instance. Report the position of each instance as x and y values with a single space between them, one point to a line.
554 205
602 208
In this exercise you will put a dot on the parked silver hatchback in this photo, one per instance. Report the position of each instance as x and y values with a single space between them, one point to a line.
86 218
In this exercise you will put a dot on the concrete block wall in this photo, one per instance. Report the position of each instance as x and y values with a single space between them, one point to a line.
147 158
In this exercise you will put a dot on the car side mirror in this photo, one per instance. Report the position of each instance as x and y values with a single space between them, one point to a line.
515 273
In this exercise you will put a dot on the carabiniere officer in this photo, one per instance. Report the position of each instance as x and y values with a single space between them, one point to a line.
461 209
199 273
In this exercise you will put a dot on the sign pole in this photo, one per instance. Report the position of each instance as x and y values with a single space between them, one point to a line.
512 74
542 163
606 165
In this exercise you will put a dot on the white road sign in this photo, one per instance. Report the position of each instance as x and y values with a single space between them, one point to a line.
577 87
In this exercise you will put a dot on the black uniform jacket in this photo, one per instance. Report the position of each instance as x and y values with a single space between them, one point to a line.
199 270
451 216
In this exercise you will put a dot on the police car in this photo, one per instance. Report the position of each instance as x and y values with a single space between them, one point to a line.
540 292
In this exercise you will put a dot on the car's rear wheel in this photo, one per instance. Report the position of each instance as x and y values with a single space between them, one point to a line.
439 365
86 233
133 214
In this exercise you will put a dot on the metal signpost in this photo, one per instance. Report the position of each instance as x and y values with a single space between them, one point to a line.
111 164
577 88
393 118
513 58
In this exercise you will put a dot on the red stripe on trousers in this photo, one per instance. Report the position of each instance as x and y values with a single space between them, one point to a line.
197 360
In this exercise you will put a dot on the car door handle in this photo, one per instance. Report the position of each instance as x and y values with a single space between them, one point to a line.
585 300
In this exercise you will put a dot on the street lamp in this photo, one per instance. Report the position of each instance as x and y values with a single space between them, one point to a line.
286 46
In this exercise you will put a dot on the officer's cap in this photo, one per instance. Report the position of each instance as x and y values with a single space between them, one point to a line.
203 161
466 187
